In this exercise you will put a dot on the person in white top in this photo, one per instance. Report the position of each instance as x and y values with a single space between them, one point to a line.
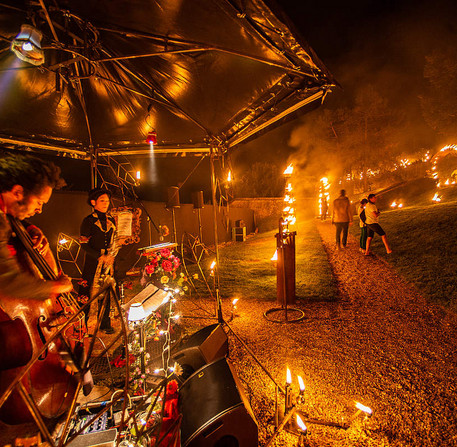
372 215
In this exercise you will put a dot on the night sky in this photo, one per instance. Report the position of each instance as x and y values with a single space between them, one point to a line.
382 43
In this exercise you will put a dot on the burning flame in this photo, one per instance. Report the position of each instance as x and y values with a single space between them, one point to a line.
436 198
138 175
235 301
213 264
393 204
288 376
301 425
275 256
301 384
63 241
229 177
289 170
363 408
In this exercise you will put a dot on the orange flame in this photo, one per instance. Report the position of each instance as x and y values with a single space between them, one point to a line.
363 408
288 376
289 170
301 425
301 384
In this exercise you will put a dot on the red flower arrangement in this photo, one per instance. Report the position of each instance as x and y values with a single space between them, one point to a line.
162 267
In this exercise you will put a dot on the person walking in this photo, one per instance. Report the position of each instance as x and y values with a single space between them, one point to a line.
324 209
362 225
372 213
341 218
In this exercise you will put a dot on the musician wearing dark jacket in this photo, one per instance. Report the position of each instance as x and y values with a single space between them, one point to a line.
96 237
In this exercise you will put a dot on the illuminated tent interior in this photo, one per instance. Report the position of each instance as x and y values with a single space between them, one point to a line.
202 74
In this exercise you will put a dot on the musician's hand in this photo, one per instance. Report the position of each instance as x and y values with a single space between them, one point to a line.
39 240
62 285
107 260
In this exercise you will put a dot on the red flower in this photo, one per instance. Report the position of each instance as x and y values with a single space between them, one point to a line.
149 269
165 253
167 265
176 262
172 388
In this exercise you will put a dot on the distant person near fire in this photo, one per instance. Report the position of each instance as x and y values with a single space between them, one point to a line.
372 215
324 209
342 218
362 225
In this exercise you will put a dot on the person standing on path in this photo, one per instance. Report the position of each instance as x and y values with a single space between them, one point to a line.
341 218
362 225
372 213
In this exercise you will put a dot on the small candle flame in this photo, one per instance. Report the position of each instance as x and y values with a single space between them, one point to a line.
436 198
301 384
235 301
289 170
229 176
393 204
363 408
63 241
213 264
288 376
275 256
138 175
301 425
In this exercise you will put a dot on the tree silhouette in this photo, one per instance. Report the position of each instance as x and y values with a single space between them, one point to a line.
438 103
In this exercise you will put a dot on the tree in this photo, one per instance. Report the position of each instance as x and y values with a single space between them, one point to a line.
438 102
261 180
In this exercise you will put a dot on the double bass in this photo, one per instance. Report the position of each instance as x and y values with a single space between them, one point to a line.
42 384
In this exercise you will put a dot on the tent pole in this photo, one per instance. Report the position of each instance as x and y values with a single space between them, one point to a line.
216 239
93 166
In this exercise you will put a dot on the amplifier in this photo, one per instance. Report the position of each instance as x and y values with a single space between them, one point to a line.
238 234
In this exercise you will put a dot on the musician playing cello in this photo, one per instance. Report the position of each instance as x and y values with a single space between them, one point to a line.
26 184
97 234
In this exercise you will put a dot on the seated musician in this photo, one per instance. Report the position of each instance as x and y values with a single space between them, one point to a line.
97 234
26 184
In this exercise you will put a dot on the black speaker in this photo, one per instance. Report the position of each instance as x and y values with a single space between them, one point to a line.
197 199
215 411
173 197
205 346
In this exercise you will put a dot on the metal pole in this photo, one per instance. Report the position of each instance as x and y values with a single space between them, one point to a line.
93 166
216 239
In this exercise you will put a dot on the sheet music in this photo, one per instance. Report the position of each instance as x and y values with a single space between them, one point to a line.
124 224
151 296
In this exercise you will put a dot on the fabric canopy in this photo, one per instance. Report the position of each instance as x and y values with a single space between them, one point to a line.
201 73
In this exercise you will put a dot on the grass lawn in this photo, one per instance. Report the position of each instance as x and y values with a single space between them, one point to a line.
246 269
424 241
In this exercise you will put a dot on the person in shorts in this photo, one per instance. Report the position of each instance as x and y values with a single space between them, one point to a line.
372 215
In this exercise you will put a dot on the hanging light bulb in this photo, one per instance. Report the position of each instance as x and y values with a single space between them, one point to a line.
27 45
152 138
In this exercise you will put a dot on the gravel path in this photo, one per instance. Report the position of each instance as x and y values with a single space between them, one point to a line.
379 343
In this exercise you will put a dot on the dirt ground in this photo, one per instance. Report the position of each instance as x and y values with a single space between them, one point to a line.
379 343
